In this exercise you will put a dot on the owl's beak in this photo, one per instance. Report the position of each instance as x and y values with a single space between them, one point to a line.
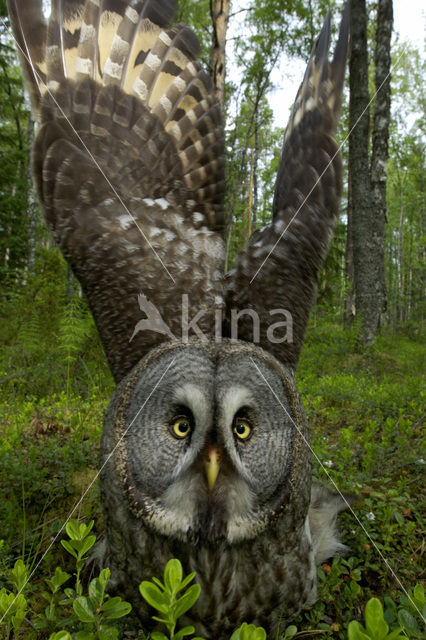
212 464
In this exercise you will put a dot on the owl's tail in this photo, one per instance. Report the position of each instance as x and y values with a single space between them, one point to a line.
113 42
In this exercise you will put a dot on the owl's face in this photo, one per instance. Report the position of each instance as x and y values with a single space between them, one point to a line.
209 441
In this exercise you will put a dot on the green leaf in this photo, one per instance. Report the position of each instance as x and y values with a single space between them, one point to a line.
159 584
396 634
169 624
19 574
249 632
73 530
87 544
85 635
186 631
115 608
355 588
96 593
57 580
152 594
18 619
356 631
104 577
68 547
106 632
419 593
399 518
186 601
83 610
290 631
375 622
408 622
157 635
173 575
60 635
185 582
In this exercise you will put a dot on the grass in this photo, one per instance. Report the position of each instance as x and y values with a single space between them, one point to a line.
366 416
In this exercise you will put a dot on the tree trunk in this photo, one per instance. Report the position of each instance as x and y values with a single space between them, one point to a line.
364 247
350 305
32 201
219 10
382 59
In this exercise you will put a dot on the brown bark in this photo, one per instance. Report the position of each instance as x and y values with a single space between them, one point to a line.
350 309
32 200
219 10
364 247
382 59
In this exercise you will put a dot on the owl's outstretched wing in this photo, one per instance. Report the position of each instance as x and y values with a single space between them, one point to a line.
128 162
278 269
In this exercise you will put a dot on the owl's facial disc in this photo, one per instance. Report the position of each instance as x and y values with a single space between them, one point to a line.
209 449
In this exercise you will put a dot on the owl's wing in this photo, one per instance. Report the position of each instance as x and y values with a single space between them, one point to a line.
129 164
276 274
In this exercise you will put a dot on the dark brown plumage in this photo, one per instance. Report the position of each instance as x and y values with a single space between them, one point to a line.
129 164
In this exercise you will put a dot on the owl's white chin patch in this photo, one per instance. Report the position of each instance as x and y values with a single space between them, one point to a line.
181 505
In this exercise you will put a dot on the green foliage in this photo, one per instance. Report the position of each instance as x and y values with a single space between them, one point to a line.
14 158
13 604
249 632
164 596
85 617
44 449
410 613
376 627
52 343
79 545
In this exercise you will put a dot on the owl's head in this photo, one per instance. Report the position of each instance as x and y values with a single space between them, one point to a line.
209 442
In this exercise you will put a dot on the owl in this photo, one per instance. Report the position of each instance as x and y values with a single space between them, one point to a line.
205 452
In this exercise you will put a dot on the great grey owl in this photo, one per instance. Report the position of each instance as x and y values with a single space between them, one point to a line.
205 450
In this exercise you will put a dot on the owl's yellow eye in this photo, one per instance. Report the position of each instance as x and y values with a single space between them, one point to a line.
242 428
180 427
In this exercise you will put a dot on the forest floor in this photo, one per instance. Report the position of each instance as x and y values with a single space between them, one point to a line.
366 413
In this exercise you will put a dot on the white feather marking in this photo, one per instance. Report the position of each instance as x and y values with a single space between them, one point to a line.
199 146
120 47
179 84
191 116
169 236
83 65
176 132
162 202
166 104
148 201
140 88
52 85
198 217
310 104
125 221
132 15
297 117
113 69
165 38
152 61
192 69
88 32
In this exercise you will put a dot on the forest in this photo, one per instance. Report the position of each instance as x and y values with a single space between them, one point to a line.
360 374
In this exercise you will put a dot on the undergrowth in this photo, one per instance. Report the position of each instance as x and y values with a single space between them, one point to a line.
365 411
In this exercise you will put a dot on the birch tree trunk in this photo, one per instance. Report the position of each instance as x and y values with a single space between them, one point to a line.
364 247
219 10
382 59
32 200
